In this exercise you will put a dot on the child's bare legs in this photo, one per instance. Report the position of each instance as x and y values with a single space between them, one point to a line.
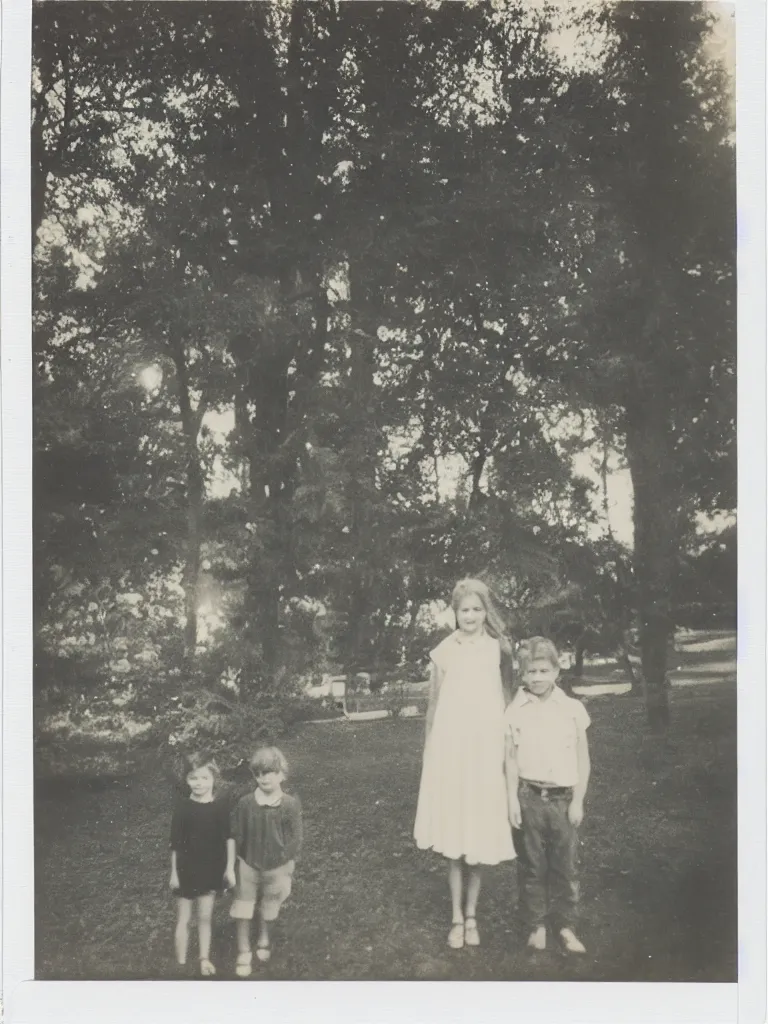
204 915
264 941
474 881
268 914
243 931
456 885
181 935
243 935
464 927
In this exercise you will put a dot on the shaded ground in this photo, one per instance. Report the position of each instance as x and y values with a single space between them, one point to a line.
658 852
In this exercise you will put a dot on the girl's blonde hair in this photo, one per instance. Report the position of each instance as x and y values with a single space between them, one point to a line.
538 647
494 624
269 759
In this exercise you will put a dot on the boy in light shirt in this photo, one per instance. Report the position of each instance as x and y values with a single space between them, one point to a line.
547 764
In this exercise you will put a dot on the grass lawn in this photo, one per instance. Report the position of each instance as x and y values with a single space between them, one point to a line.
658 863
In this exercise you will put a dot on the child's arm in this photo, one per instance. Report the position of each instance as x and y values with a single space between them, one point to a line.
236 830
507 667
174 881
435 678
229 871
175 841
576 808
513 780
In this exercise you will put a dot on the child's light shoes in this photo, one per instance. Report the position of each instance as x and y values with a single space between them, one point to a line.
456 935
206 967
471 934
570 942
538 938
263 953
243 964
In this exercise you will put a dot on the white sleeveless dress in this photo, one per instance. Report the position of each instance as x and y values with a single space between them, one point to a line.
462 807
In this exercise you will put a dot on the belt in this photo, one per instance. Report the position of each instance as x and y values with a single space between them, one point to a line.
545 791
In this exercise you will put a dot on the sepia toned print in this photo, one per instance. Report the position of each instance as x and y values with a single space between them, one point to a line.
334 304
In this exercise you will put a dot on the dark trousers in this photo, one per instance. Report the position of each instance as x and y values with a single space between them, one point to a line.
546 848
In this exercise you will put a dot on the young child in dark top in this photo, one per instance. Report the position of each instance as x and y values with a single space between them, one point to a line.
267 827
202 856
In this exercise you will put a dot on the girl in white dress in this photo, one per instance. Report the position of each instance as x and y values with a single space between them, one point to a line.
462 810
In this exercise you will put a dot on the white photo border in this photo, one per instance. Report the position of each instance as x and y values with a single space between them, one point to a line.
29 1002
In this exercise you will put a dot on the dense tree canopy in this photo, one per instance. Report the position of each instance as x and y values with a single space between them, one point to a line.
415 261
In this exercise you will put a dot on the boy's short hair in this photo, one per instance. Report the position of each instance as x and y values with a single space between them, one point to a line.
268 759
538 647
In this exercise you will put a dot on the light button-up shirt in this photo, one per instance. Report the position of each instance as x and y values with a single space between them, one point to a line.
545 734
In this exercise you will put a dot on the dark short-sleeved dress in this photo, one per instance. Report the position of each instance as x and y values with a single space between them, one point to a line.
199 833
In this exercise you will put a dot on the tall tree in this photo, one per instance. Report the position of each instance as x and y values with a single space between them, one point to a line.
516 241
654 309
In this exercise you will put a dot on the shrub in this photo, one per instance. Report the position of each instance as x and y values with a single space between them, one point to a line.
90 742
307 709
396 698
226 726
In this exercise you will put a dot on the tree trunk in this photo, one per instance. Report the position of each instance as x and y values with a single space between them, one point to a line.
190 420
268 391
655 516
626 663
361 458
191 576
412 628
478 467
578 666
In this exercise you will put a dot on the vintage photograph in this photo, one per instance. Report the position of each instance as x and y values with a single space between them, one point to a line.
384 457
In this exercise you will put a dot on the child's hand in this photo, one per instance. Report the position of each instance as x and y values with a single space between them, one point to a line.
174 882
229 878
515 817
576 812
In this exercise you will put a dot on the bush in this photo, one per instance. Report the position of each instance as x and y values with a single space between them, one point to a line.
307 709
90 742
227 727
396 698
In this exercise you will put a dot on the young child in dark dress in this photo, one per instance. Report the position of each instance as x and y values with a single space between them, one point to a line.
267 827
202 856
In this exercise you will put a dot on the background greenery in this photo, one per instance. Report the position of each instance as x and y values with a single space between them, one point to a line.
416 260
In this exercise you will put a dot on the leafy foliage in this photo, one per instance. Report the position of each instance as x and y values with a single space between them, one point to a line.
415 263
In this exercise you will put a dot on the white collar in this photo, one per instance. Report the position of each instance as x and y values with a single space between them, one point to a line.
267 801
526 697
462 638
